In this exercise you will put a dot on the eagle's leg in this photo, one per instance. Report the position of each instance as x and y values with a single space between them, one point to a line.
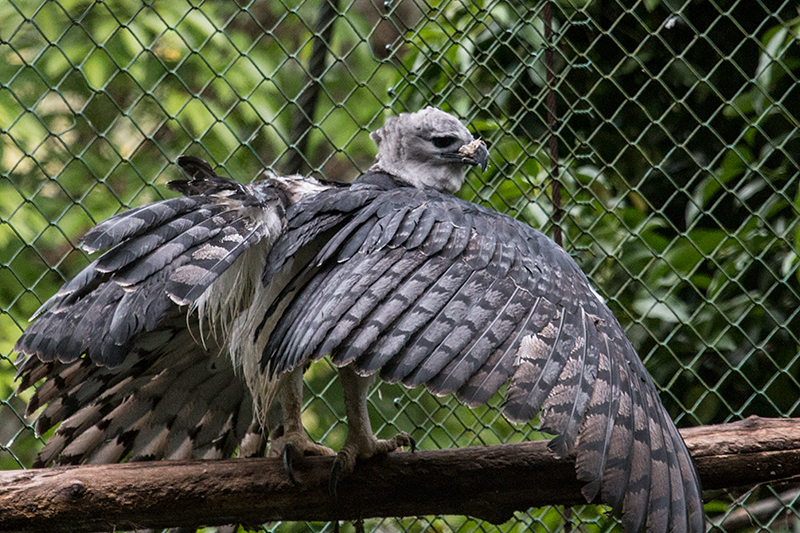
290 440
360 443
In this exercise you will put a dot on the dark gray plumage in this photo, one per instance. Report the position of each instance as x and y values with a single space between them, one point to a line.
427 289
170 398
389 276
467 301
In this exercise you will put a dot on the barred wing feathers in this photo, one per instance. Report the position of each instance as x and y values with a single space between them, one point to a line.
431 290
143 355
164 252
170 398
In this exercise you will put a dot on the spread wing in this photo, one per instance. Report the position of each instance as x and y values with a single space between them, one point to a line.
146 384
161 253
431 290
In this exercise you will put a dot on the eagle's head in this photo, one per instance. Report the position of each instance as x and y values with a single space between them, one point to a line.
429 149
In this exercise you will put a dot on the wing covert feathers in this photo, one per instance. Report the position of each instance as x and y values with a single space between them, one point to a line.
428 289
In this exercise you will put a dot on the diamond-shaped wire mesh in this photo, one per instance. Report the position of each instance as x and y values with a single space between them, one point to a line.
678 141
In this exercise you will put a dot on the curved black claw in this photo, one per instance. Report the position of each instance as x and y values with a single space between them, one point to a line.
287 463
412 444
336 475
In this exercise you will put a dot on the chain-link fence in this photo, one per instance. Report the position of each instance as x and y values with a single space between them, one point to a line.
672 129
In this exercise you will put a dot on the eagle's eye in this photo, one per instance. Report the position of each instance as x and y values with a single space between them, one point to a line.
444 142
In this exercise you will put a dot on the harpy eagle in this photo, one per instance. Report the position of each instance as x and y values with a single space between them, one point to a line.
389 275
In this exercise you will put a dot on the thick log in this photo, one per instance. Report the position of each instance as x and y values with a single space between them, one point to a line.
484 482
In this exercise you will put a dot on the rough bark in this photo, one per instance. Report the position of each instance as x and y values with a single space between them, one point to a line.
483 482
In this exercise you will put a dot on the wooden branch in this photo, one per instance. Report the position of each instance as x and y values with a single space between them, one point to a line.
485 482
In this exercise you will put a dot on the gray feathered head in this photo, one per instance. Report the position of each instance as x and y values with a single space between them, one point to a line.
429 149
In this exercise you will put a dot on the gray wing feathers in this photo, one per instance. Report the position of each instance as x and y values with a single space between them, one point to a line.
79 316
618 463
165 254
405 310
637 494
143 355
88 277
447 333
137 247
107 415
332 314
134 222
170 249
190 281
566 404
427 289
599 423
72 326
494 373
421 230
414 323
362 301
293 354
482 330
376 308
493 316
306 224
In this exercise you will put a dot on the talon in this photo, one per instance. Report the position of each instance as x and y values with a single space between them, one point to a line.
287 463
333 480
403 440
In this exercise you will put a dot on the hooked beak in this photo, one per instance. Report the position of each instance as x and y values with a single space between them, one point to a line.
475 154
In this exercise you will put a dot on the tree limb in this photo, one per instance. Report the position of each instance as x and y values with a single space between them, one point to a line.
485 482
